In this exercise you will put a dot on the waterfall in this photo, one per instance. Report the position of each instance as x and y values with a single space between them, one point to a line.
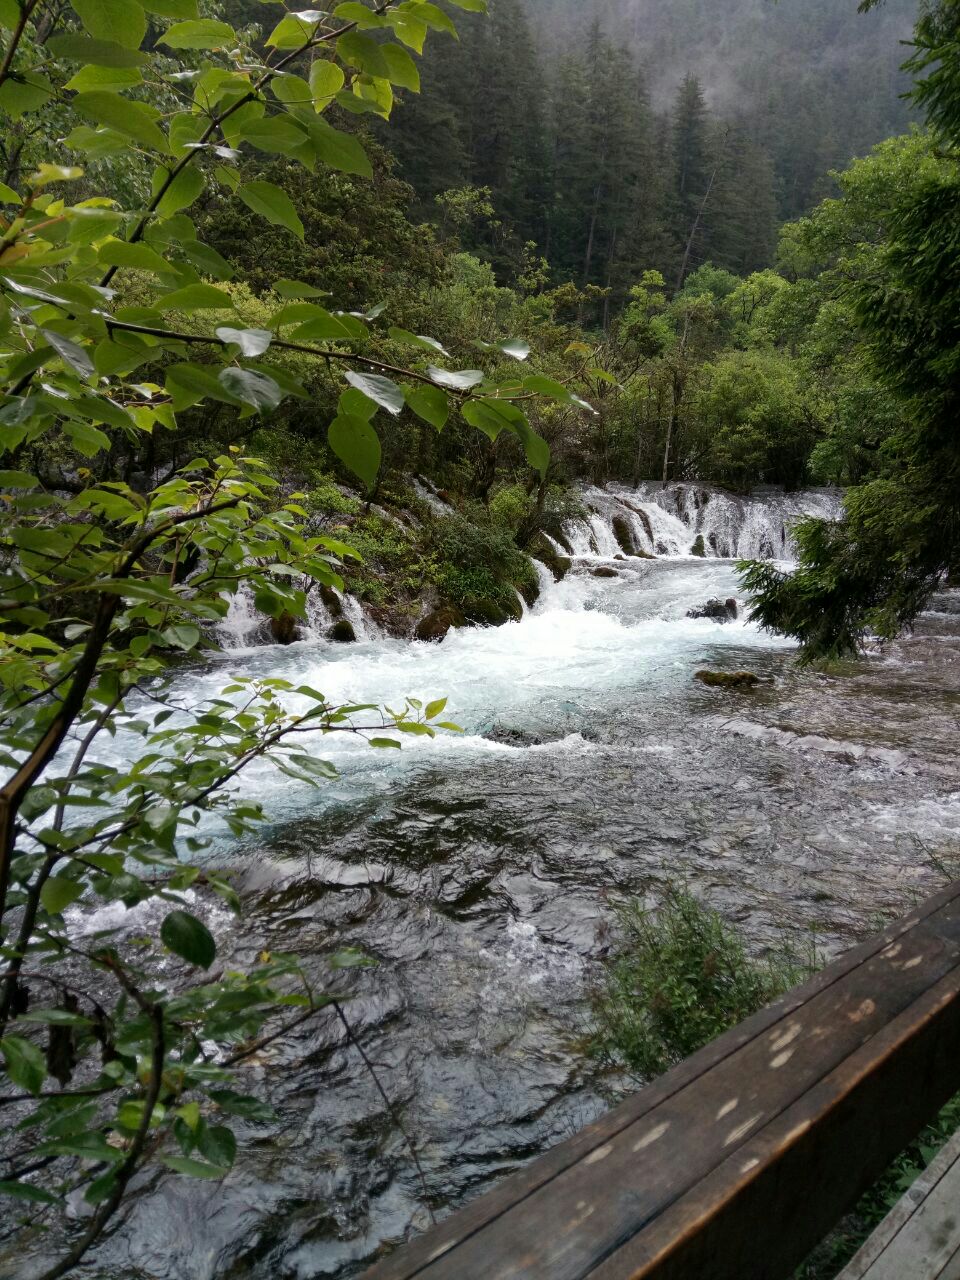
683 519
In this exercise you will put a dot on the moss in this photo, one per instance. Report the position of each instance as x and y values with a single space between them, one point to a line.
486 612
727 679
342 632
698 548
435 625
541 549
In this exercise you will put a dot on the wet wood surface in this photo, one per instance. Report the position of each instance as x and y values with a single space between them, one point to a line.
737 1162
920 1237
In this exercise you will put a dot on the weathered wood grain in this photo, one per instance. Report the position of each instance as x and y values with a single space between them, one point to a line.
920 1236
738 1160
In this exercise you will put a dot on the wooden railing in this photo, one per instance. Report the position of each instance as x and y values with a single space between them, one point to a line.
734 1164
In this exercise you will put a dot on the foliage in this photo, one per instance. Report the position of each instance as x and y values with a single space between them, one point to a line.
901 530
678 978
125 342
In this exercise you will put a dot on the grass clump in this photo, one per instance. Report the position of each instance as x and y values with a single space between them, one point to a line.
680 976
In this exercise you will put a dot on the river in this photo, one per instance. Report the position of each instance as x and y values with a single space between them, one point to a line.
481 872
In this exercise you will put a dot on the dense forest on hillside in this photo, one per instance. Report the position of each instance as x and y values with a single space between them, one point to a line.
350 307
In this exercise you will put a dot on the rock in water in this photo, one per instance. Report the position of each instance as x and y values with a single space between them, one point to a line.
719 610
284 628
604 571
342 632
727 679
434 626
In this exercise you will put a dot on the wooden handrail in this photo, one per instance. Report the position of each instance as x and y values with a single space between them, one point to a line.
736 1162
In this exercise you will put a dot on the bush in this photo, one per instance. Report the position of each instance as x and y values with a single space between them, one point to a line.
679 978
479 561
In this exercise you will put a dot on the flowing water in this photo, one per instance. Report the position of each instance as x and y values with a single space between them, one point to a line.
481 872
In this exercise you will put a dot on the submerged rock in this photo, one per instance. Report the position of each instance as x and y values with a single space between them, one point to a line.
720 610
435 625
727 679
698 548
342 632
604 571
284 628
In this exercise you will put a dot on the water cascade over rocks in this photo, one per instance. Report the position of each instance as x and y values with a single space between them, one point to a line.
694 519
650 521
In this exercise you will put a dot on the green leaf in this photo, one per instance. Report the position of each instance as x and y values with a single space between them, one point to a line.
276 134
430 404
256 389
188 938
102 53
381 391
252 342
24 1191
193 1168
364 52
384 743
186 186
29 92
26 1066
339 150
357 445
171 8
273 204
206 33
241 1104
401 68
218 1145
293 31
138 257
461 380
119 20
59 892
434 708
70 353
326 80
132 119
435 18
415 339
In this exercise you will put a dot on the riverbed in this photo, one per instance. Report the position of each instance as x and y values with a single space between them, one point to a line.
481 873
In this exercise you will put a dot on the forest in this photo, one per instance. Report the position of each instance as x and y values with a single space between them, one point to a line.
397 405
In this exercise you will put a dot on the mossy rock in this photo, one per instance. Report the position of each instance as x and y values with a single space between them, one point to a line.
544 551
530 591
727 679
604 571
284 628
488 613
699 547
435 625
332 602
342 632
624 535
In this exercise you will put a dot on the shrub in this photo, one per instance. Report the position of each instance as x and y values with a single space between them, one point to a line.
680 977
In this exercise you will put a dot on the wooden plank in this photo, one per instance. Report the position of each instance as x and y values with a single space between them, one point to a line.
920 1236
660 1177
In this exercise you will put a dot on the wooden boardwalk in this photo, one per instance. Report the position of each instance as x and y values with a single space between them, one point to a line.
734 1164
919 1239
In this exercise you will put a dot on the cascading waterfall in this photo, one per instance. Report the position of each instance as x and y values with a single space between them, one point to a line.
668 520
664 521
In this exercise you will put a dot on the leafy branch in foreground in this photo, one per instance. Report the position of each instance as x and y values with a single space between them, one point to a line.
113 568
